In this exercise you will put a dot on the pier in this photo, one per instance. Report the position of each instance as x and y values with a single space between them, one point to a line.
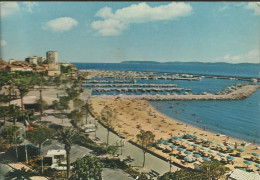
238 92
130 85
137 89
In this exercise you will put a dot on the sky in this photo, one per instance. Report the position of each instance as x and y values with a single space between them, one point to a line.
112 32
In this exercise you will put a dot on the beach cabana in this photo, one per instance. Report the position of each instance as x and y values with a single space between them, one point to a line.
203 148
196 155
257 165
180 149
248 162
160 141
230 147
166 143
240 150
188 159
220 144
206 159
211 151
221 154
256 154
230 157
188 152
203 139
195 145
211 142
173 147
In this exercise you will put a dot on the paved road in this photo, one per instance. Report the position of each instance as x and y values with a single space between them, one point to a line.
152 162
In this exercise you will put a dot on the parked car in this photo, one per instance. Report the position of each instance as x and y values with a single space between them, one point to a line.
11 119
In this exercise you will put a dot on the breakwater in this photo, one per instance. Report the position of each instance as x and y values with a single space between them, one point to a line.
231 93
130 85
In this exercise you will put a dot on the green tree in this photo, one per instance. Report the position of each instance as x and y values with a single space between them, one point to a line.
109 117
23 86
76 116
87 168
112 150
16 112
4 111
40 136
213 170
182 174
41 106
11 134
145 140
78 103
22 174
66 137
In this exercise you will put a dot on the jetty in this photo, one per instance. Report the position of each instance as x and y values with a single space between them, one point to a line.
235 92
137 89
131 85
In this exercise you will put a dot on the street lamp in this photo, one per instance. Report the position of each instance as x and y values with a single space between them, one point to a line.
42 154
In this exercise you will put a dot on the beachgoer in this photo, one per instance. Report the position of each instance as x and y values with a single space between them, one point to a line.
254 141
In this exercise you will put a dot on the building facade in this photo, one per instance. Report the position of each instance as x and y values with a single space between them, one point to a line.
52 57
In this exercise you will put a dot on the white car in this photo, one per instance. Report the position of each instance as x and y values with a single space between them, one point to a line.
61 167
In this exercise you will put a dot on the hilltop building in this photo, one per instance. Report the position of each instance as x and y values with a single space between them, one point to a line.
49 65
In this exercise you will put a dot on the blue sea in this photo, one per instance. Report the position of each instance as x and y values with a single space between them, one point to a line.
237 118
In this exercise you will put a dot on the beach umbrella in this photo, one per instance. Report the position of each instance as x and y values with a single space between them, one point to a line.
230 147
212 151
190 134
248 162
173 147
180 149
221 154
206 159
174 139
188 159
203 139
257 165
211 142
195 136
160 141
196 155
240 150
203 148
220 144
166 143
195 145
182 140
230 157
256 154
188 152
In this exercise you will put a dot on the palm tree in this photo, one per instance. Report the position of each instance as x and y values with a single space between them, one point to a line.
145 139
66 137
16 112
109 116
23 87
41 106
21 174
76 116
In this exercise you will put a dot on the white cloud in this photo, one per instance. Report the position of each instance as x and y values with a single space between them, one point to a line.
29 6
60 24
255 6
114 23
250 57
8 8
223 8
3 43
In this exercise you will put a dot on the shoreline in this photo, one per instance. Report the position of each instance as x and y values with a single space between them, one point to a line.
139 114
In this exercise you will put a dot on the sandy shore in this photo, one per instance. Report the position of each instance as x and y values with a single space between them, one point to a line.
139 113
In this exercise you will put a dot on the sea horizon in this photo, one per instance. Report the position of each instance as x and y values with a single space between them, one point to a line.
218 116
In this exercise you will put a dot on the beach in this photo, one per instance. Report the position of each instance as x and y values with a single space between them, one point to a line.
133 115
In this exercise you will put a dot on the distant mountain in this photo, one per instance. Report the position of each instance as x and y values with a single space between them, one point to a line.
141 62
178 62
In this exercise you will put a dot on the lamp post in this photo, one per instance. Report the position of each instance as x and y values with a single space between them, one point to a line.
42 155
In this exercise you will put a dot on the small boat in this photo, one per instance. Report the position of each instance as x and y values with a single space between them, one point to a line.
171 107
